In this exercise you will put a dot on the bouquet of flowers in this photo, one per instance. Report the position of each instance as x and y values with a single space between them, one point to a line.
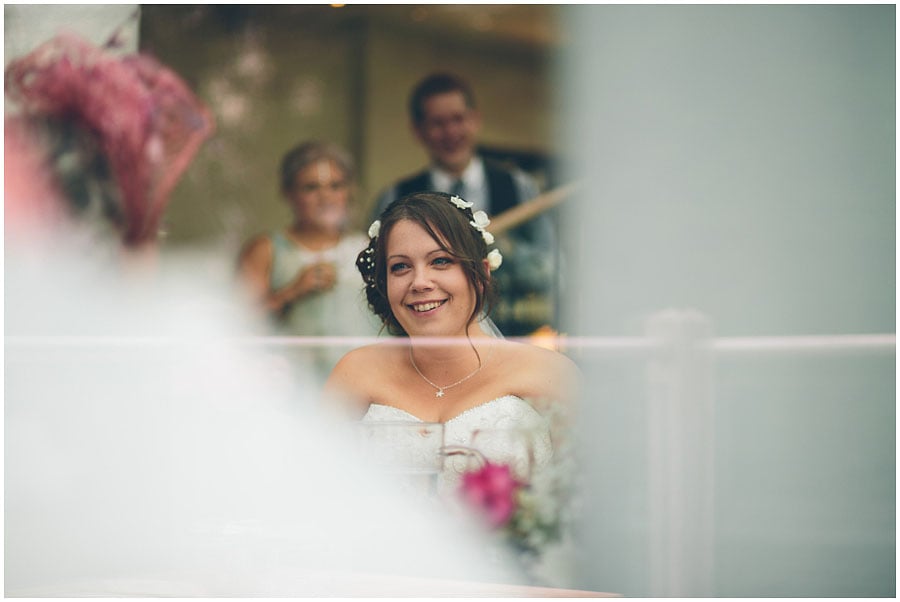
528 516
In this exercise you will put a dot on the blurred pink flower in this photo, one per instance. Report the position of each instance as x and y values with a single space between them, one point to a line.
146 119
492 490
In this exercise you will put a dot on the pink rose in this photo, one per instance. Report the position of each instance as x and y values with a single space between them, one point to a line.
492 490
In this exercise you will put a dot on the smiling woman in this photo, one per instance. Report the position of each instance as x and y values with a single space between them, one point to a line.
428 292
435 225
428 278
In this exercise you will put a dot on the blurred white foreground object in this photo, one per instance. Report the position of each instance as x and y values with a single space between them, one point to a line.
148 453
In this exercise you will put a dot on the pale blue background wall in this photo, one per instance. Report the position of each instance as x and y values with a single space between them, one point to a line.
740 161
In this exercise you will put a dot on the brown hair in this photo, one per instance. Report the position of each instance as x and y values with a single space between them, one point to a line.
434 84
449 226
308 153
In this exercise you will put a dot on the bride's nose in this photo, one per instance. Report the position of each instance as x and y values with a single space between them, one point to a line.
422 280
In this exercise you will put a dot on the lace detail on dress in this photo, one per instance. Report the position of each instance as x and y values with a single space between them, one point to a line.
403 446
492 424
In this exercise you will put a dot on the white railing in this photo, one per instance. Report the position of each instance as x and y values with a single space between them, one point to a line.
879 343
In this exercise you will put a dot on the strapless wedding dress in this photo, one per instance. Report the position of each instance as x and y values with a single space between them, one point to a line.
502 414
496 418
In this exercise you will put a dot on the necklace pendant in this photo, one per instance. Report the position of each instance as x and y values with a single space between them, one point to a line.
440 393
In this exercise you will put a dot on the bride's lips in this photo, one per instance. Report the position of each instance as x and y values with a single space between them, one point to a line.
422 308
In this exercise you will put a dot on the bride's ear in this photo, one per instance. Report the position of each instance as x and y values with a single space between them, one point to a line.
487 270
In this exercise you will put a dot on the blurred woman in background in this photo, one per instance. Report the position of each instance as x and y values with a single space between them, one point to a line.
304 275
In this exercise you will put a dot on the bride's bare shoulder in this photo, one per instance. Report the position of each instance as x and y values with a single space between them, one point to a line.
360 354
357 375
541 372
368 360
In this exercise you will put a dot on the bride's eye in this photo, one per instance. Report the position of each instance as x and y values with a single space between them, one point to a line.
395 268
442 261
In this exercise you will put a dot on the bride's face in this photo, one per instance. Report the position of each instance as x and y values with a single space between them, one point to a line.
428 290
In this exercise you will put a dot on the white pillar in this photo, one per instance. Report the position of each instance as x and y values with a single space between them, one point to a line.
26 26
681 439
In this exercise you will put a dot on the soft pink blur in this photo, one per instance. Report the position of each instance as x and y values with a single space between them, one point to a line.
492 491
33 203
147 121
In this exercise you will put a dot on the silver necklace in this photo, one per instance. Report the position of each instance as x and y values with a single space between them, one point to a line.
440 390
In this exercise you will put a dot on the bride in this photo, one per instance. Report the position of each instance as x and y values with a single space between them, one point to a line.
427 275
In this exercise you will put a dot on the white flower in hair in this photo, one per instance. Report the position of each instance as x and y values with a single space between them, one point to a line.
375 228
481 220
488 237
460 203
495 259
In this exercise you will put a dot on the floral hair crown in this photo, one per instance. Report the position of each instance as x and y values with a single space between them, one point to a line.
479 221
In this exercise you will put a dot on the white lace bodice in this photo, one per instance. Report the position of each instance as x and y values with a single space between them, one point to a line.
506 430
